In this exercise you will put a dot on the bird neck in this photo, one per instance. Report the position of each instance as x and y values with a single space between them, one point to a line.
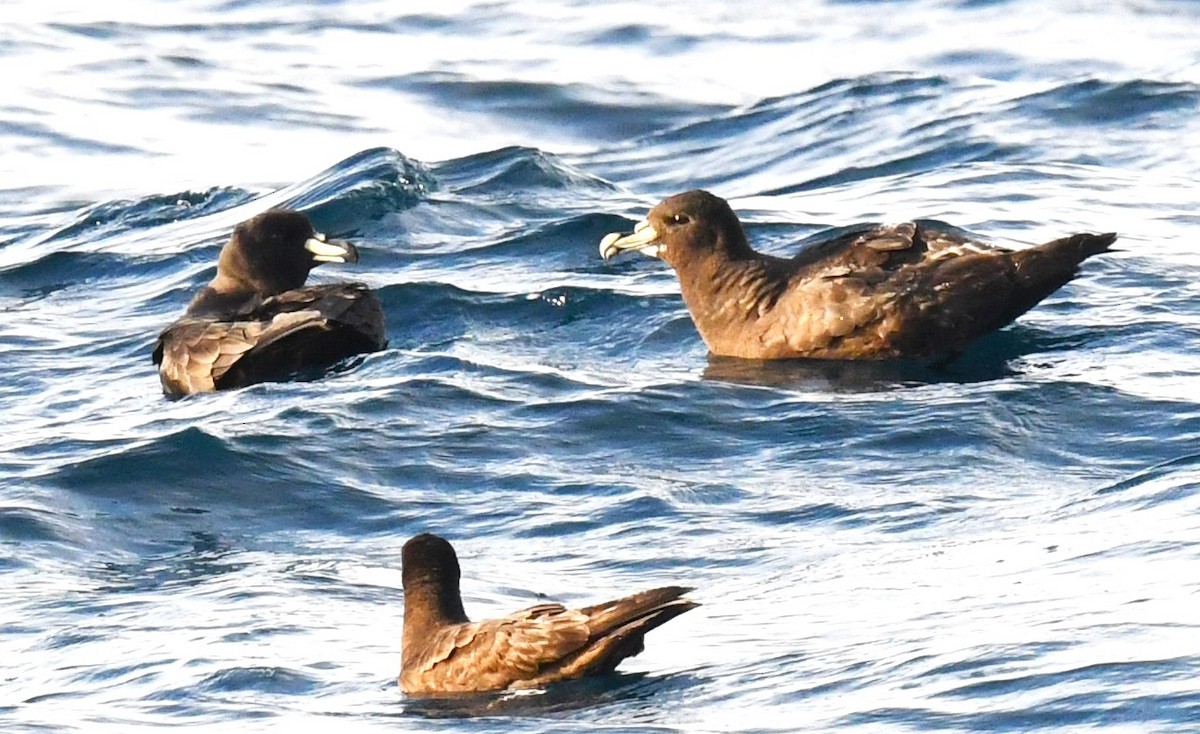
724 292
241 272
225 296
434 602
428 607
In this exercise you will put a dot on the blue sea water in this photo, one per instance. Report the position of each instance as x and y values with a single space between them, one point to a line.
1009 544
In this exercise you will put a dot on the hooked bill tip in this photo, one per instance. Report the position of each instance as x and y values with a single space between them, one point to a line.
330 251
606 248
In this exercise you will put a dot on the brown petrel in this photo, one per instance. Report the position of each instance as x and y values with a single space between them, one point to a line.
917 290
445 653
257 322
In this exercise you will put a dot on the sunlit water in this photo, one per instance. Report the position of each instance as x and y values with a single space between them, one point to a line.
1009 544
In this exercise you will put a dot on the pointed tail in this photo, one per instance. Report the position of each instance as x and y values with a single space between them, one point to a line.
619 626
612 614
1041 270
1058 261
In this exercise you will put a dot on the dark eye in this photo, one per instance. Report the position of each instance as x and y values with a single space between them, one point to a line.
680 219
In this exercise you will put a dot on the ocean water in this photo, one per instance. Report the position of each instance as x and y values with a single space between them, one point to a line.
1008 544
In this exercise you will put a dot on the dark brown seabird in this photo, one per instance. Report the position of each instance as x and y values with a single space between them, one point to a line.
917 290
445 653
255 322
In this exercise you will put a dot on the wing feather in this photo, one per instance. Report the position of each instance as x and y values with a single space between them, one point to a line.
194 354
497 653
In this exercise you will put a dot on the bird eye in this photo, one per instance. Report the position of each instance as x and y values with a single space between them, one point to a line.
680 219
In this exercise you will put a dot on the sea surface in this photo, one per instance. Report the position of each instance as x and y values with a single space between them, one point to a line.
1007 544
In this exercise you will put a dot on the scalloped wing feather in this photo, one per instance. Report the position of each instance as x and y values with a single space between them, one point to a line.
497 653
195 353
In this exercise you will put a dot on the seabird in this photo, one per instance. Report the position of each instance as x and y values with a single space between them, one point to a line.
256 322
916 290
445 653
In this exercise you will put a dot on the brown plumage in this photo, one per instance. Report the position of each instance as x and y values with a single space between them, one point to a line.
917 290
255 322
445 653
